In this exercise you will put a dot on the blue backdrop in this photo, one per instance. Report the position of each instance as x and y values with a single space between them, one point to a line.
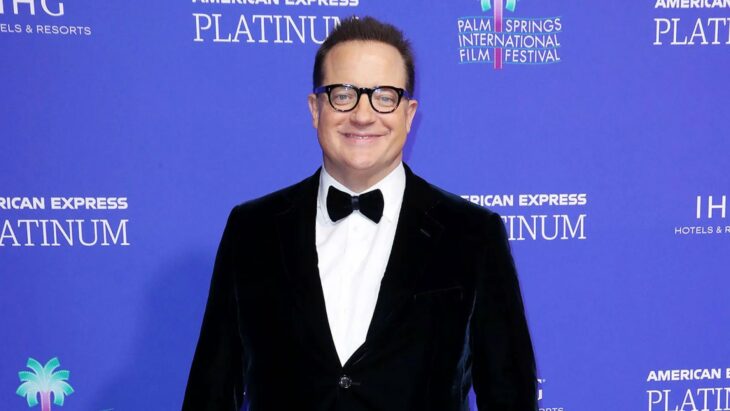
598 130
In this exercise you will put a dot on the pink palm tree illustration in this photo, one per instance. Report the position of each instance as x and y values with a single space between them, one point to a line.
498 20
43 381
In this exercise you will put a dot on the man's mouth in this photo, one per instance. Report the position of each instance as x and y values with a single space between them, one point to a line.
361 136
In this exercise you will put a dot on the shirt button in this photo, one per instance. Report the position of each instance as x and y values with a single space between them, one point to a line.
345 382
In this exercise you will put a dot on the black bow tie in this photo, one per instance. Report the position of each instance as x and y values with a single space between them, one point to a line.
340 205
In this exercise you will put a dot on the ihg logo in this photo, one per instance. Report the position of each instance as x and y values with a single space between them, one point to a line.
711 206
50 7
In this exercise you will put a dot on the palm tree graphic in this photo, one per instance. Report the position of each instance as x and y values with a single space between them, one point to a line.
44 381
510 5
498 21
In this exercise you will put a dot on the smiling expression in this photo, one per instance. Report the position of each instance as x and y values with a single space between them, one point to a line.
362 146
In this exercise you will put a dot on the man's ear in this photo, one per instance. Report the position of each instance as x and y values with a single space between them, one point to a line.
314 108
410 113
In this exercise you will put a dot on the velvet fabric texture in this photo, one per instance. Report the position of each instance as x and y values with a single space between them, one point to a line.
449 315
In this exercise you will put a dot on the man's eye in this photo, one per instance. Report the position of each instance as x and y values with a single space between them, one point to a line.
342 97
385 99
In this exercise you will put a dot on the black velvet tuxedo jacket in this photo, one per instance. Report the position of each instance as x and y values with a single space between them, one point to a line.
449 315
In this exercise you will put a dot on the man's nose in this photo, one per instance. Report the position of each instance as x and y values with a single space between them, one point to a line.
363 112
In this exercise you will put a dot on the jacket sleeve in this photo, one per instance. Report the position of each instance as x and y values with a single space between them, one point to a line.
503 362
216 380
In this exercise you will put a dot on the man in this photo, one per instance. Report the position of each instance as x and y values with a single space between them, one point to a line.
363 287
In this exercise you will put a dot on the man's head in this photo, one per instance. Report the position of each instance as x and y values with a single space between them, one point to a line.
366 29
361 145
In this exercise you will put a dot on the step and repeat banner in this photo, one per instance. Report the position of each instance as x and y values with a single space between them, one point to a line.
597 129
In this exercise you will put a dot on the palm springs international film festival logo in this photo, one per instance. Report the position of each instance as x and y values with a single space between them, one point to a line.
43 381
508 40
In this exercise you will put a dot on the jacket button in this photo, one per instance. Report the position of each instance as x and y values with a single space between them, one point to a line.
345 382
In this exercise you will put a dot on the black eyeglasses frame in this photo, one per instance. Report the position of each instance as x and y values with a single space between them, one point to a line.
359 91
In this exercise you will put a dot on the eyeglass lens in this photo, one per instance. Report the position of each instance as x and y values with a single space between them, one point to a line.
345 98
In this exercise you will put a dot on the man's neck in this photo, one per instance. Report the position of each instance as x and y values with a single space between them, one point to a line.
359 181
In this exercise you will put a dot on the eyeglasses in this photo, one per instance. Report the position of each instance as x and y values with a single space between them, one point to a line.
345 97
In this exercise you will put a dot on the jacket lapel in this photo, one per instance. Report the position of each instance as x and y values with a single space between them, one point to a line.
416 237
296 229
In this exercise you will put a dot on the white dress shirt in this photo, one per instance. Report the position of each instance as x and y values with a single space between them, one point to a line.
353 254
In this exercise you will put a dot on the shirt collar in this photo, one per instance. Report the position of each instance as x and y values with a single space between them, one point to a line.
392 186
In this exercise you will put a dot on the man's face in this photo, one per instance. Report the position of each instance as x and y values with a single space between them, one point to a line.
362 143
